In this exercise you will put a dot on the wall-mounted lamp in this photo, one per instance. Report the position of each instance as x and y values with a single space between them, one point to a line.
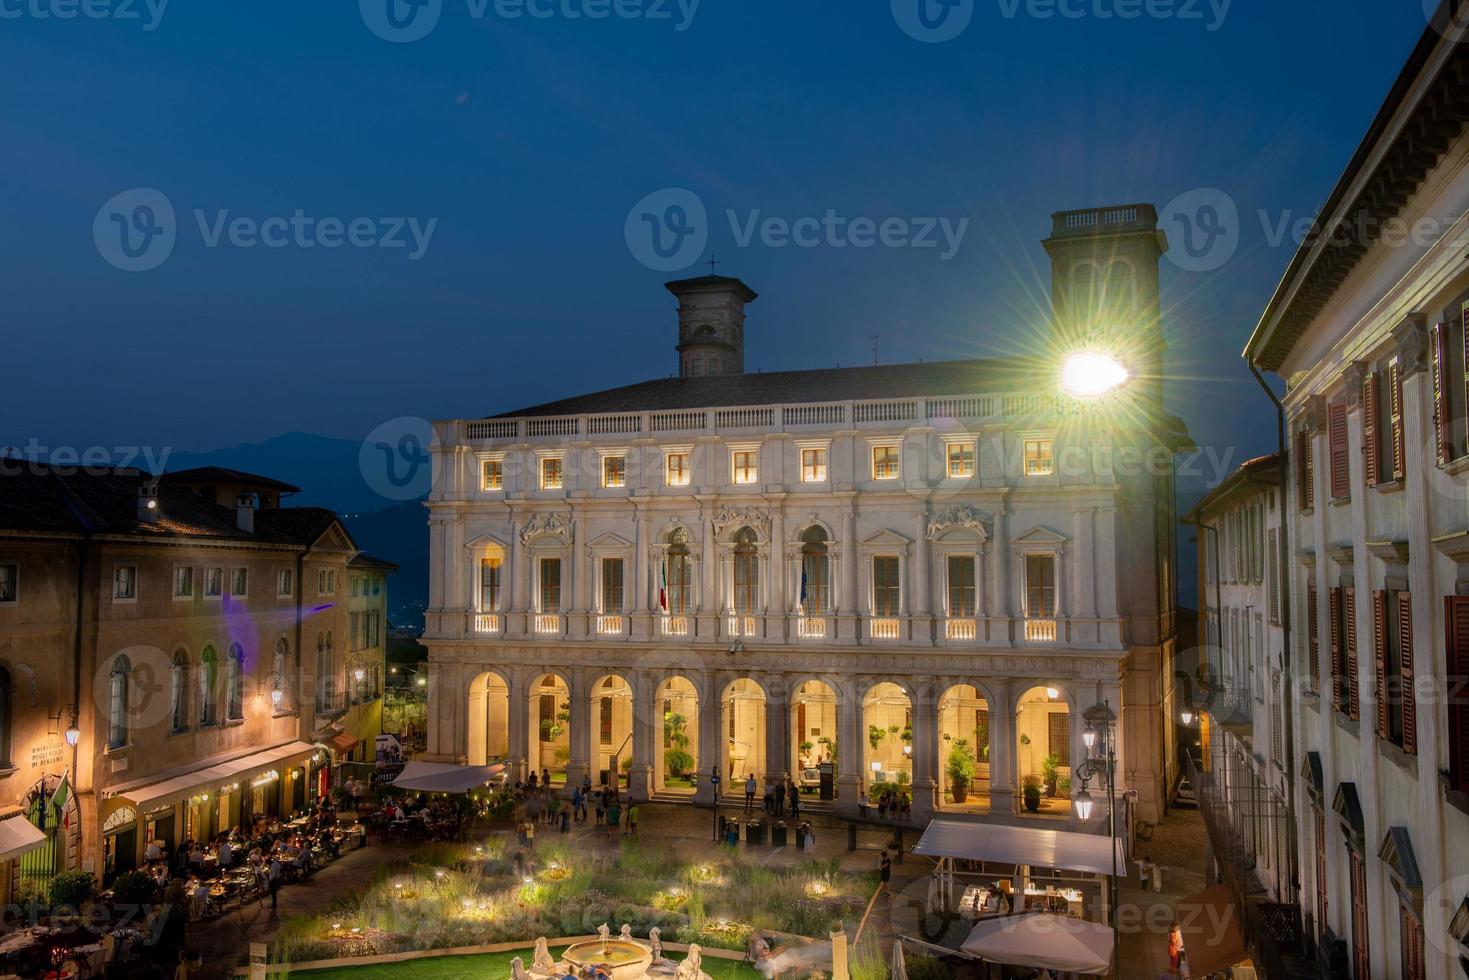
71 733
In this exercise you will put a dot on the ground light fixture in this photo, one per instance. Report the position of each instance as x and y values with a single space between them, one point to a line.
1092 374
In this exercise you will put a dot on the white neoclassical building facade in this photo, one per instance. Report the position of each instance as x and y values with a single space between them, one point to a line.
913 576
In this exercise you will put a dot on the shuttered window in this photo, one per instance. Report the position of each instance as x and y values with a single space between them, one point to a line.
1380 657
1349 666
1392 637
550 585
1336 437
1371 429
1257 540
1272 583
1439 369
886 590
1277 723
1457 670
1361 962
604 721
1058 741
1313 639
1396 455
1406 674
1305 471
961 585
1412 944
1333 624
1323 905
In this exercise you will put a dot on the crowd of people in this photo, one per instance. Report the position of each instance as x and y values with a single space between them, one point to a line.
891 804
780 796
539 803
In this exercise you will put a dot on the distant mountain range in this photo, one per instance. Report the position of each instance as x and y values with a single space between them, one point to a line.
328 474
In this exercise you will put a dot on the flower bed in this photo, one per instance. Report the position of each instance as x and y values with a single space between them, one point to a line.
457 896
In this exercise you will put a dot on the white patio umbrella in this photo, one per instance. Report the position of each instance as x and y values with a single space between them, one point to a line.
1052 942
899 969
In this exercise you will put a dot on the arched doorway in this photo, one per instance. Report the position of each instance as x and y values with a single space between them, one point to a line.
1043 750
964 747
550 726
887 745
611 730
489 719
742 718
813 733
677 746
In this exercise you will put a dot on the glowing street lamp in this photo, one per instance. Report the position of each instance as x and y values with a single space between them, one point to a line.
1187 716
1092 374
1083 803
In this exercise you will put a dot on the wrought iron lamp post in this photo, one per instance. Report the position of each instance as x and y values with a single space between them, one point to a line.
1101 726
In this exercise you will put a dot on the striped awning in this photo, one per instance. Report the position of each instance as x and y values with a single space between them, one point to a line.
19 836
152 794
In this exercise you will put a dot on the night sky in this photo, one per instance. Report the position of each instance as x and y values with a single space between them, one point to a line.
526 142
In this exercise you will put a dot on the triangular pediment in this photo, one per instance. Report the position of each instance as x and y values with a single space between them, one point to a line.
334 538
887 538
1040 536
485 542
609 541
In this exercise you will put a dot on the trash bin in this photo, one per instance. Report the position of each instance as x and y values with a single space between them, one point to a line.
801 836
778 834
755 832
732 833
851 836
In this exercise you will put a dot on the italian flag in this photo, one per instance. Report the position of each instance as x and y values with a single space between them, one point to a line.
58 801
663 586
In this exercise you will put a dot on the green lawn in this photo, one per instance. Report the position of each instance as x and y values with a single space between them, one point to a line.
492 966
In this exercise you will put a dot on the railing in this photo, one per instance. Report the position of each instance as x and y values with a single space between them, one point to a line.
486 622
678 421
599 425
811 628
675 625
547 623
610 625
493 429
903 411
552 427
744 418
1040 631
969 407
743 626
961 629
814 414
885 629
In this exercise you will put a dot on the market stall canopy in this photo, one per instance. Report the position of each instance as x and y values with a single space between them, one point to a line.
1062 849
439 777
1051 942
343 743
147 795
18 836
1210 927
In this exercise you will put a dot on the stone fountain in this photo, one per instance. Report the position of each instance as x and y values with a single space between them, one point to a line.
608 958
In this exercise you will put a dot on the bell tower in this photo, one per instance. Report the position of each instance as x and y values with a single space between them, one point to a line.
711 325
1104 284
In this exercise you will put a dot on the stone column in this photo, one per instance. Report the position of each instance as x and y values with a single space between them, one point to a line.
1003 756
518 749
925 750
580 741
1084 577
519 608
849 747
922 599
711 739
851 605
644 591
777 729
640 776
999 576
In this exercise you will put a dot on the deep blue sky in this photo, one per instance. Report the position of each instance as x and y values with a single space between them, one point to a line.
529 141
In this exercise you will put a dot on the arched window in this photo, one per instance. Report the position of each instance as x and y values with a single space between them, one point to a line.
279 673
7 700
679 574
178 692
235 683
117 703
815 587
208 686
746 572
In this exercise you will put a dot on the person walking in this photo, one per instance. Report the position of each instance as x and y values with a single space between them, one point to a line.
632 820
884 871
749 792
578 804
614 817
274 881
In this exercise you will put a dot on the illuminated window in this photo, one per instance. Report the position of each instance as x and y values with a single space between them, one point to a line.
550 585
213 582
679 471
884 462
1040 586
813 466
489 584
961 460
744 465
886 588
183 581
492 474
614 471
1040 459
551 473
612 591
125 582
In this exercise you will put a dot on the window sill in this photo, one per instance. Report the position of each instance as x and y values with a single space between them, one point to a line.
1459 801
1346 724
1340 501
233 723
1389 486
1456 467
8 769
117 749
175 733
1398 756
1308 511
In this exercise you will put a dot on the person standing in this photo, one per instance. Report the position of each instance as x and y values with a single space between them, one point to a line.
780 798
578 804
884 870
767 802
862 804
632 820
750 792
795 805
274 881
791 794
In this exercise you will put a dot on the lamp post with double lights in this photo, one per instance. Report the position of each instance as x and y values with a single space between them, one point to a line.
1101 727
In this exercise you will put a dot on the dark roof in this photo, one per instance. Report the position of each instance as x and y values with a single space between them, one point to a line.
38 497
363 560
1251 469
935 378
223 474
1312 277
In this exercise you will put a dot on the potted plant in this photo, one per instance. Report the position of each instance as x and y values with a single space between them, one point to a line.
959 767
875 735
1050 773
830 745
1031 792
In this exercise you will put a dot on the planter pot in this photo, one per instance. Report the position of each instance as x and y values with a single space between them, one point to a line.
1033 801
960 791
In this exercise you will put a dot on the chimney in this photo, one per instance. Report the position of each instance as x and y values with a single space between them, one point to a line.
245 513
148 501
711 325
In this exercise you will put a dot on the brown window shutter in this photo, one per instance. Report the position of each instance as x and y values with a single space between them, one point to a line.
1412 935
1361 959
1333 614
1395 419
1336 436
1405 673
1457 636
1349 616
1305 492
1379 655
1323 905
1440 364
1370 446
1313 639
